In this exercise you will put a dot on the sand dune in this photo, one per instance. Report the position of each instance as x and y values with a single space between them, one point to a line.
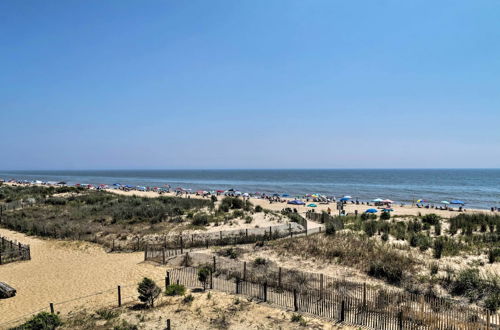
61 271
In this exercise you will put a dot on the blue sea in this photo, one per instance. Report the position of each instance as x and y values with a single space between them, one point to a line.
478 188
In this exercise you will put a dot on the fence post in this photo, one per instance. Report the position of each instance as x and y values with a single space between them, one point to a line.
211 280
279 277
119 296
182 245
244 271
163 255
167 280
295 302
487 320
246 232
400 320
220 235
206 241
321 286
51 308
364 295
146 253
237 281
215 265
342 311
265 291
168 325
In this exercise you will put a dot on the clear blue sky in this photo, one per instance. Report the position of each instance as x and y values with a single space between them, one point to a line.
249 84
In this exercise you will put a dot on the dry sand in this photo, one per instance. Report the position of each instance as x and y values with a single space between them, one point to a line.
350 208
65 270
215 311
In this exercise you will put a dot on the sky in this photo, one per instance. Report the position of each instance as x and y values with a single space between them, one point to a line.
122 84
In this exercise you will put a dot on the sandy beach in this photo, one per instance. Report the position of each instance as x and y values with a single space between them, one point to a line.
349 207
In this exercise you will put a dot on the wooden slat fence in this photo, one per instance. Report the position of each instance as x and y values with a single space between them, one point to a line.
11 251
346 302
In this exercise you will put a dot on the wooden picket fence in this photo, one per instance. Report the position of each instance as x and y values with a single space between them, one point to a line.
356 305
176 245
11 251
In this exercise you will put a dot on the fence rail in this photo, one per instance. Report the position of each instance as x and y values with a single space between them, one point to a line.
178 245
11 251
368 307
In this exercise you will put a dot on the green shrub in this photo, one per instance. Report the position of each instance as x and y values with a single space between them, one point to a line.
203 276
259 261
385 237
385 215
434 268
493 255
492 302
187 299
228 203
107 314
391 272
41 321
468 283
258 208
431 219
148 291
200 219
438 248
175 290
437 229
370 227
330 228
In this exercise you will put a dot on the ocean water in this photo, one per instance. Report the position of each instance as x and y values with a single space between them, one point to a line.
479 188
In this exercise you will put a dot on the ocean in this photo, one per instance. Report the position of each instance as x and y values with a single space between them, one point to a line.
478 188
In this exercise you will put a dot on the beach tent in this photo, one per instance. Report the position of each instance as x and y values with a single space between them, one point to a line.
312 205
296 202
371 211
378 200
456 201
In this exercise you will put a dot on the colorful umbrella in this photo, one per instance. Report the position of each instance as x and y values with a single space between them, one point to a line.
312 205
371 211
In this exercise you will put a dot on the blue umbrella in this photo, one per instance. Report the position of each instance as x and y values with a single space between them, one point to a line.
456 201
285 195
344 199
116 184
296 202
371 211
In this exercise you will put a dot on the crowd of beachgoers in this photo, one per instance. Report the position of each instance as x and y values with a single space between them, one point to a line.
308 200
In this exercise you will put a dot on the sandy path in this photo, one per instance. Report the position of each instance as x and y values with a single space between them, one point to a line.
63 270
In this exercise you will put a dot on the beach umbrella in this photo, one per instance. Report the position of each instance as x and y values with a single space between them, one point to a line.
456 201
344 199
387 201
378 200
371 211
387 209
116 184
347 196
445 202
285 195
312 205
245 195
